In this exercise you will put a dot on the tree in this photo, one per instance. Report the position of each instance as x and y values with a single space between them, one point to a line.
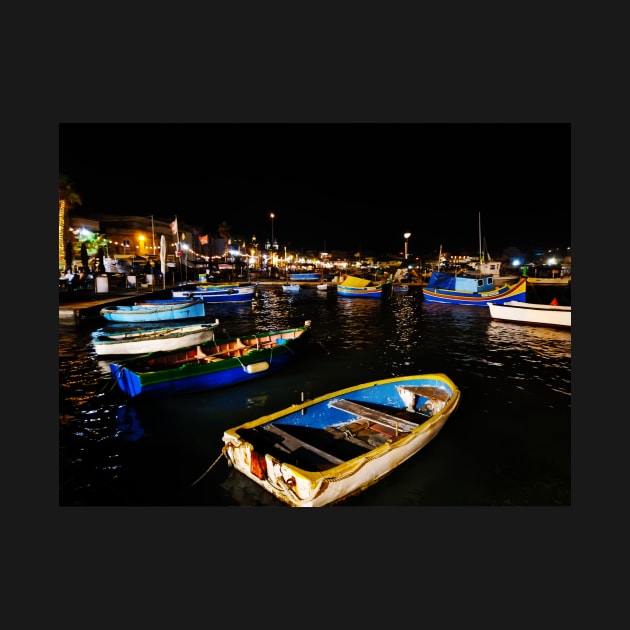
68 199
224 230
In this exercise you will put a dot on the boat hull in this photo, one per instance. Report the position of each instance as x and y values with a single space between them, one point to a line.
290 288
214 295
509 292
306 277
326 430
360 292
353 286
213 365
532 314
141 341
154 311
550 282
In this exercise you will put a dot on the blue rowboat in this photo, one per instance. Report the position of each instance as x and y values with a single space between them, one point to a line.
154 311
322 451
217 294
209 365
305 277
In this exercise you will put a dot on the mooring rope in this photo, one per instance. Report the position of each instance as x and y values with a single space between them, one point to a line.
221 454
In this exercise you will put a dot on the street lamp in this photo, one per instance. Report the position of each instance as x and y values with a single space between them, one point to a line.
273 216
406 235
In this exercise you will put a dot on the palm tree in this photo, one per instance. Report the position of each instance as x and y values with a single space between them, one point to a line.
224 232
68 199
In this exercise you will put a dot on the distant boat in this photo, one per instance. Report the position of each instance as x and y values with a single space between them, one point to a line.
323 451
217 294
290 287
210 365
154 311
534 314
451 288
136 340
494 269
447 288
563 281
353 286
306 277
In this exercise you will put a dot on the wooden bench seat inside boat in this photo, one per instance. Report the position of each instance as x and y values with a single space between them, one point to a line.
374 415
309 448
293 443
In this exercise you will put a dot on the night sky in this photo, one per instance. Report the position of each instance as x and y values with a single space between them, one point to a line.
352 187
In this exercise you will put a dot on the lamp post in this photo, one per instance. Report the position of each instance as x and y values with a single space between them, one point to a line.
406 235
273 216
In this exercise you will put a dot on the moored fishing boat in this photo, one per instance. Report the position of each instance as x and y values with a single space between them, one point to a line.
136 340
325 450
306 277
217 294
290 287
353 286
553 315
481 290
447 288
563 281
209 365
154 311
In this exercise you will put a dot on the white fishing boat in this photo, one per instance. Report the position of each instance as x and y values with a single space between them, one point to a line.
534 314
291 287
140 340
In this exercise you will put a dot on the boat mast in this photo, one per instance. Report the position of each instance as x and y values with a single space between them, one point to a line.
153 234
480 254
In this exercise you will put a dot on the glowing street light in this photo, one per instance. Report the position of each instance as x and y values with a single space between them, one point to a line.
273 216
406 235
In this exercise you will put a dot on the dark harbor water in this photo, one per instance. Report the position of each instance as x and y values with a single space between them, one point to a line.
508 444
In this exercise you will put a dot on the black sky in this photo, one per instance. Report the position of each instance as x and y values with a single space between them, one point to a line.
334 186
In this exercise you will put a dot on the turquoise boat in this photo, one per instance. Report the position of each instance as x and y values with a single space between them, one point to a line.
154 311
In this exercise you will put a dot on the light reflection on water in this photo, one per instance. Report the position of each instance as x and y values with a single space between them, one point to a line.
508 443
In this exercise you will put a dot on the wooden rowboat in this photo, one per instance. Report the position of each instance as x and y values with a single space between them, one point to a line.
148 338
325 450
217 294
154 311
353 286
209 365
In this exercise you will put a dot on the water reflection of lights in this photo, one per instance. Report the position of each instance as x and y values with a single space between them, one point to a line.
544 341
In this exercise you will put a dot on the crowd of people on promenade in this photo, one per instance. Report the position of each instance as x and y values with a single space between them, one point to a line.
73 279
